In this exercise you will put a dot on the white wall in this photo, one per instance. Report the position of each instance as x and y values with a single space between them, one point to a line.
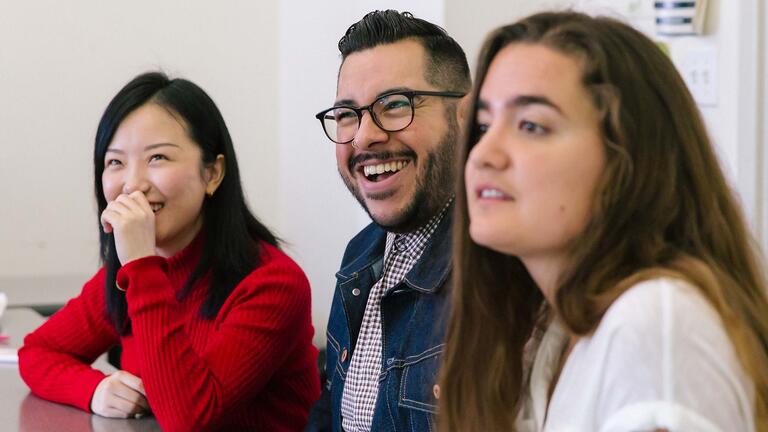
469 22
763 72
60 64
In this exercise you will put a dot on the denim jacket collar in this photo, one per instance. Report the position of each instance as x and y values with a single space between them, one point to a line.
429 272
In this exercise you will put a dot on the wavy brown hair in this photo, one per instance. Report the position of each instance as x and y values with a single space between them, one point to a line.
662 207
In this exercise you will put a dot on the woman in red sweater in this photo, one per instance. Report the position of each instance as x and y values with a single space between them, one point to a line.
213 319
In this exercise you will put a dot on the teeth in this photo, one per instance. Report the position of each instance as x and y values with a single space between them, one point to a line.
491 193
384 167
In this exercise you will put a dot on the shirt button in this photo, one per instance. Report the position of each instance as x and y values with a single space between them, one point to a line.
436 391
343 355
356 292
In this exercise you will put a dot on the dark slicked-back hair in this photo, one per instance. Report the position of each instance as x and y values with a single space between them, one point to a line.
231 232
446 63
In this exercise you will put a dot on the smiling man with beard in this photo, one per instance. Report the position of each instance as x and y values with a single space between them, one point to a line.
395 123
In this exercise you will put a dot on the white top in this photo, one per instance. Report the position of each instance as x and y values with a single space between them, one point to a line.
660 358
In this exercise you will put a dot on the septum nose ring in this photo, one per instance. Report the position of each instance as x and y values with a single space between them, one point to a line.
354 144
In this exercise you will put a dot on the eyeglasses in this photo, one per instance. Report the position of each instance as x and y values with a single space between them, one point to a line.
392 112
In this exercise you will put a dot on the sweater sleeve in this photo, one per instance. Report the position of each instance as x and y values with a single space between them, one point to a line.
55 359
257 329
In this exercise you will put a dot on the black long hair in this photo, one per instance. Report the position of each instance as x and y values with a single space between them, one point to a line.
231 231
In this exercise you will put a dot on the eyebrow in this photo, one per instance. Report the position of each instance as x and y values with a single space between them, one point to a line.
380 94
154 146
146 149
524 101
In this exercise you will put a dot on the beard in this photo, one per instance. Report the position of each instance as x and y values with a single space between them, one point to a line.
434 184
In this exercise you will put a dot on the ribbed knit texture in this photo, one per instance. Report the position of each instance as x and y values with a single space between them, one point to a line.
252 367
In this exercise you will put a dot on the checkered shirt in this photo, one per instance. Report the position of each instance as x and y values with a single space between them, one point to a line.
362 384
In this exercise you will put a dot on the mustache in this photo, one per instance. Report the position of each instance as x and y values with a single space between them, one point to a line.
362 157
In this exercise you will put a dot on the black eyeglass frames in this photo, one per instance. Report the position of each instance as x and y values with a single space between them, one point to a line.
392 112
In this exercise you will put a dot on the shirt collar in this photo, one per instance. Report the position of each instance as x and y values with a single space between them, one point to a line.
428 274
413 243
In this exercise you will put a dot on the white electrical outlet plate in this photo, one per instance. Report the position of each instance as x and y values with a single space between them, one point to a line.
698 66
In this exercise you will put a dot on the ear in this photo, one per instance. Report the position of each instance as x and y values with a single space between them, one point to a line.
214 174
463 109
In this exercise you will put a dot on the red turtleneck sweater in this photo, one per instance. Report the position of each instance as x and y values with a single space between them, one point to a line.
251 367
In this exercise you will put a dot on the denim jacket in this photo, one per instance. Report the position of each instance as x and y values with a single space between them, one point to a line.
413 328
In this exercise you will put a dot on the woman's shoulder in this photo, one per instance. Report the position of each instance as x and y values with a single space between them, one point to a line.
276 268
656 317
95 285
650 303
85 311
667 324
273 258
664 347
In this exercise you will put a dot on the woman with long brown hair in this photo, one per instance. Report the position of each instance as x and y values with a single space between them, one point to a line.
605 278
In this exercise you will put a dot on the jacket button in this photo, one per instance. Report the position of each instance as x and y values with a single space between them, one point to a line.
436 391
356 292
343 355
